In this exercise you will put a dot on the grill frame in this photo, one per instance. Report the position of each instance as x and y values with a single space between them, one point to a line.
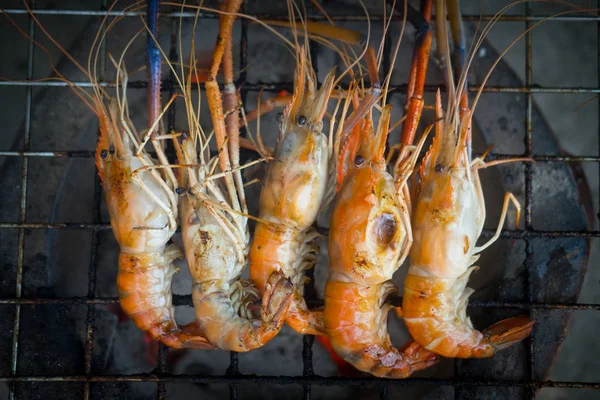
232 376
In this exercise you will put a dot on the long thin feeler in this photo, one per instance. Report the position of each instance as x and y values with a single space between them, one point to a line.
154 67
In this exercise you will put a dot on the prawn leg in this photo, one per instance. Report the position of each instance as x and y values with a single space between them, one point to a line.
508 198
264 107
215 98
154 66
508 332
418 71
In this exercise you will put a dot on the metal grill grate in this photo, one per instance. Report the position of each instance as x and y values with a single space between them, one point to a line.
232 376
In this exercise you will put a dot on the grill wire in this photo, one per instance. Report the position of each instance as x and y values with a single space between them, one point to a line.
232 376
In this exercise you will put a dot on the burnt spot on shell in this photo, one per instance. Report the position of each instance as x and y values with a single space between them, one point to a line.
385 228
360 261
204 237
361 265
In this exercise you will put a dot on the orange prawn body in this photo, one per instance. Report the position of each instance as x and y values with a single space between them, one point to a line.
293 191
143 219
216 245
293 200
447 221
368 240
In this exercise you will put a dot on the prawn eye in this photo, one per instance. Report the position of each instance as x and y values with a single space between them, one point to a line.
359 160
180 191
439 168
279 117
301 120
385 228
104 154
111 149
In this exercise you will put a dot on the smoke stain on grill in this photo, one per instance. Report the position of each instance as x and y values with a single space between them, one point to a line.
50 340
49 390
558 271
503 123
123 390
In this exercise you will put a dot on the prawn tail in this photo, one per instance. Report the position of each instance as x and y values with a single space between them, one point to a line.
227 318
356 322
508 332
276 300
384 361
184 338
303 320
251 333
144 286
418 357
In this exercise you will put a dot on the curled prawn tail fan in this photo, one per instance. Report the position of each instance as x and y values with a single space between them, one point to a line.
509 332
385 361
276 301
418 357
149 305
303 320
222 322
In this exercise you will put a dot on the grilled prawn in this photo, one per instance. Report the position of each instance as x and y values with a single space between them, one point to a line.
369 239
293 192
215 223
140 197
447 220
143 214
216 239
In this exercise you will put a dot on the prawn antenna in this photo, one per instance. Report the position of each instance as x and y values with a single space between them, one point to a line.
154 67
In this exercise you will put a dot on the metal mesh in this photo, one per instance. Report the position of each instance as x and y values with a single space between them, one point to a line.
232 377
